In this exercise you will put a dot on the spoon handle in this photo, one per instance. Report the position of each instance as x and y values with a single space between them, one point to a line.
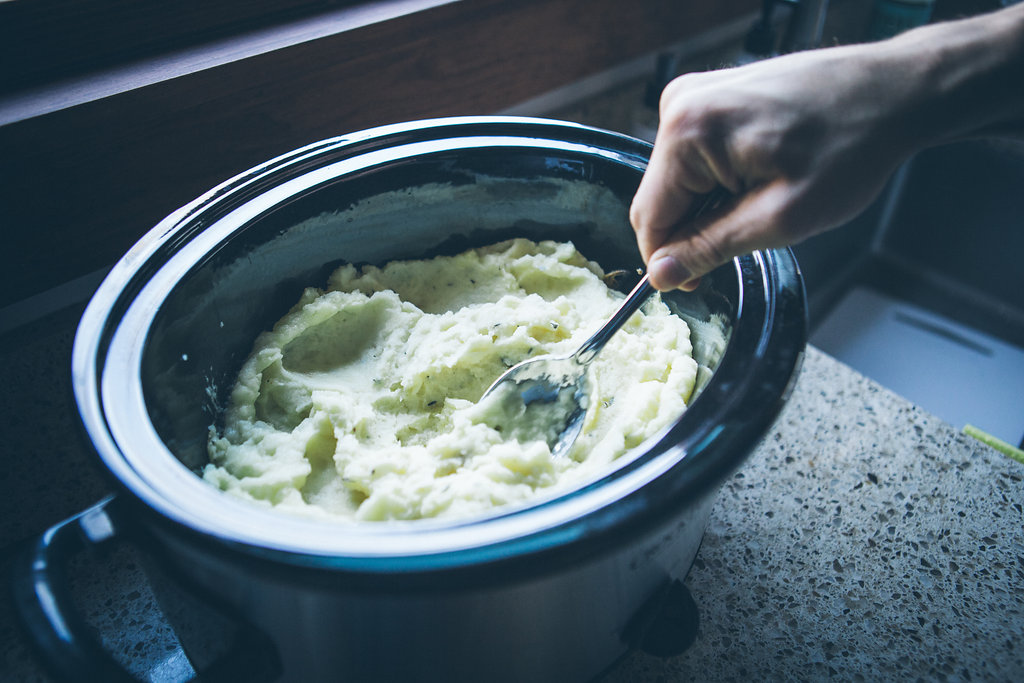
590 348
640 293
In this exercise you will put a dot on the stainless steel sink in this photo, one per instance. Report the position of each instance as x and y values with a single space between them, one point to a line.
924 291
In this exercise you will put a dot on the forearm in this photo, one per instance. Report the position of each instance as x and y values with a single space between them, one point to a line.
807 140
965 78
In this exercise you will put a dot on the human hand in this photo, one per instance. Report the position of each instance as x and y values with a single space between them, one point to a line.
803 142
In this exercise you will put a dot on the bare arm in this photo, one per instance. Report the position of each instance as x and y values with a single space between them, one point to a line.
807 140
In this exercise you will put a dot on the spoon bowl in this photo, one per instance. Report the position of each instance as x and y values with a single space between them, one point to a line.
558 385
548 396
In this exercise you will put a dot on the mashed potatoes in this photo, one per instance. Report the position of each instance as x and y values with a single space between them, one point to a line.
360 404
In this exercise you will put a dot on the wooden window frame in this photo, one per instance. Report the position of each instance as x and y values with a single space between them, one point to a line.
89 164
45 39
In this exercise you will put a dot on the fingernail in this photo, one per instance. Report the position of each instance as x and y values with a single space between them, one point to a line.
667 272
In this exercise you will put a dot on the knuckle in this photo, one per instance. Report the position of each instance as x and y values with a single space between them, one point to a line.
682 106
675 89
636 217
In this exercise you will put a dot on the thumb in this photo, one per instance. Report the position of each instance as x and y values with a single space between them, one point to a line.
746 223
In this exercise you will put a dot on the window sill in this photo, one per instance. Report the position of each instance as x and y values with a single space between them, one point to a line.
52 97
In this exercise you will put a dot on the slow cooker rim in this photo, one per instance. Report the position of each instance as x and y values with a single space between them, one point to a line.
85 385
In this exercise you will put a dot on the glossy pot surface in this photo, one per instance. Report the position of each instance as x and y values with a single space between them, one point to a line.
550 591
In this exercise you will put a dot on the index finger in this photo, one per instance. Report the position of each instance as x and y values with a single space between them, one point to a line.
666 194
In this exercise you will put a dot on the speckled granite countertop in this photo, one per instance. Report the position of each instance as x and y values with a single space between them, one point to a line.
863 540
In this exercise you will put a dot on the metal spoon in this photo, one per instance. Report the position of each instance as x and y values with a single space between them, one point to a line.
560 382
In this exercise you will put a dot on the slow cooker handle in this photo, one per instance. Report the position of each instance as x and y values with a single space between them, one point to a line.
64 639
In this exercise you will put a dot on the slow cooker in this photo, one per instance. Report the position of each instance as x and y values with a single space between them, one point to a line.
552 591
